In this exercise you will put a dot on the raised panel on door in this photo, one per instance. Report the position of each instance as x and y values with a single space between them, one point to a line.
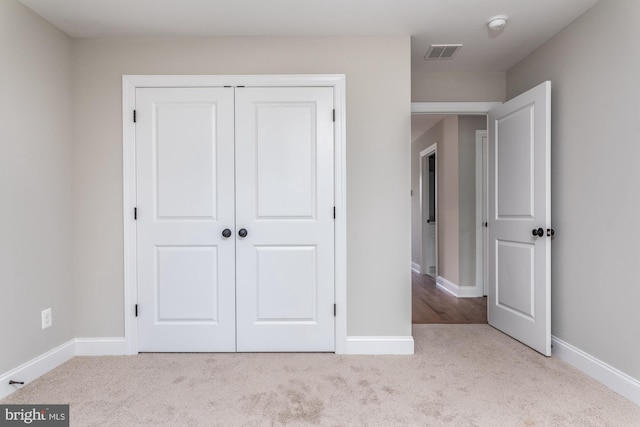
520 202
286 284
284 199
186 273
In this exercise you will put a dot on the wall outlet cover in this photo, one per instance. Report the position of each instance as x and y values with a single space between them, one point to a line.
47 319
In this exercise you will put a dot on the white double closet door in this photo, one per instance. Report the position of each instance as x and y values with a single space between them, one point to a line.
258 160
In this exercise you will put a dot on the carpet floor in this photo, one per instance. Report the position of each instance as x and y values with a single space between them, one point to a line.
460 375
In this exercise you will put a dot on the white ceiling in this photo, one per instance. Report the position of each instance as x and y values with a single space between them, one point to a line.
531 22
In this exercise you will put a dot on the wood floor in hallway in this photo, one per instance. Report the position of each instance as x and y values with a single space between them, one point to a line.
431 304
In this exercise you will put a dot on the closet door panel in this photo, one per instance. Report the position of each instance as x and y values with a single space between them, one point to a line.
284 200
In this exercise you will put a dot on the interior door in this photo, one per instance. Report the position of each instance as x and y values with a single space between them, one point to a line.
519 300
185 200
284 201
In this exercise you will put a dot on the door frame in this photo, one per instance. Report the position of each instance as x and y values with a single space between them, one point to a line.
129 85
426 153
458 108
482 210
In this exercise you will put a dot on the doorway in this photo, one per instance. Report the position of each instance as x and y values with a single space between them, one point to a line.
447 289
428 200
519 255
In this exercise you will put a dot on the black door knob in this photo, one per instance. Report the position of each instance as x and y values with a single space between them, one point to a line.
539 232
226 233
242 232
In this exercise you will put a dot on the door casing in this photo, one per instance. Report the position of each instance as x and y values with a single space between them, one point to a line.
424 206
129 85
482 214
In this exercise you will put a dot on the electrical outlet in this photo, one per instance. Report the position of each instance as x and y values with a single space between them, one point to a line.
47 320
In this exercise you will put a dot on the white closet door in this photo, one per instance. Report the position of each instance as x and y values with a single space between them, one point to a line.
284 201
186 268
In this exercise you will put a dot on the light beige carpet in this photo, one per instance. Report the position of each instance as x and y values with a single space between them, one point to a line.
461 375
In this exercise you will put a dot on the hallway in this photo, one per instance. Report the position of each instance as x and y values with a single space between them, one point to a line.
430 304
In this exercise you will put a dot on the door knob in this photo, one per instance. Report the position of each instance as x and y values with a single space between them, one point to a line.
539 232
551 232
226 233
242 232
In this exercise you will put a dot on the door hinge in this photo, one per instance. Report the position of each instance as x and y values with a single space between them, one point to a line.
136 310
135 213
134 116
334 212
334 310
334 114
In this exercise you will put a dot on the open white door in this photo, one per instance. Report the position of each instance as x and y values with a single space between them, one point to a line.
519 300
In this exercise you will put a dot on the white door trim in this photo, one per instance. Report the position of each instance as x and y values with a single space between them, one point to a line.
469 108
129 85
481 212
432 149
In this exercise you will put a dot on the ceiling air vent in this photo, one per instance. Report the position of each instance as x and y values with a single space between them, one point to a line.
442 51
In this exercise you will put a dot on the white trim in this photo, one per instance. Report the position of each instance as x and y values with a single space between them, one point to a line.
36 367
432 149
481 216
609 376
100 346
380 345
340 229
453 107
447 286
129 85
457 290
415 267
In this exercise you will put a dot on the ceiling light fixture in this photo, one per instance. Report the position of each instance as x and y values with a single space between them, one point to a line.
497 23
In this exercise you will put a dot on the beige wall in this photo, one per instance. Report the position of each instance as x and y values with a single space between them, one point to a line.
467 86
594 66
447 218
426 140
35 184
378 152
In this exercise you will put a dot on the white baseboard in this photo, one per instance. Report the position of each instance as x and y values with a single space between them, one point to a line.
457 290
415 267
100 346
36 367
50 360
379 345
611 377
